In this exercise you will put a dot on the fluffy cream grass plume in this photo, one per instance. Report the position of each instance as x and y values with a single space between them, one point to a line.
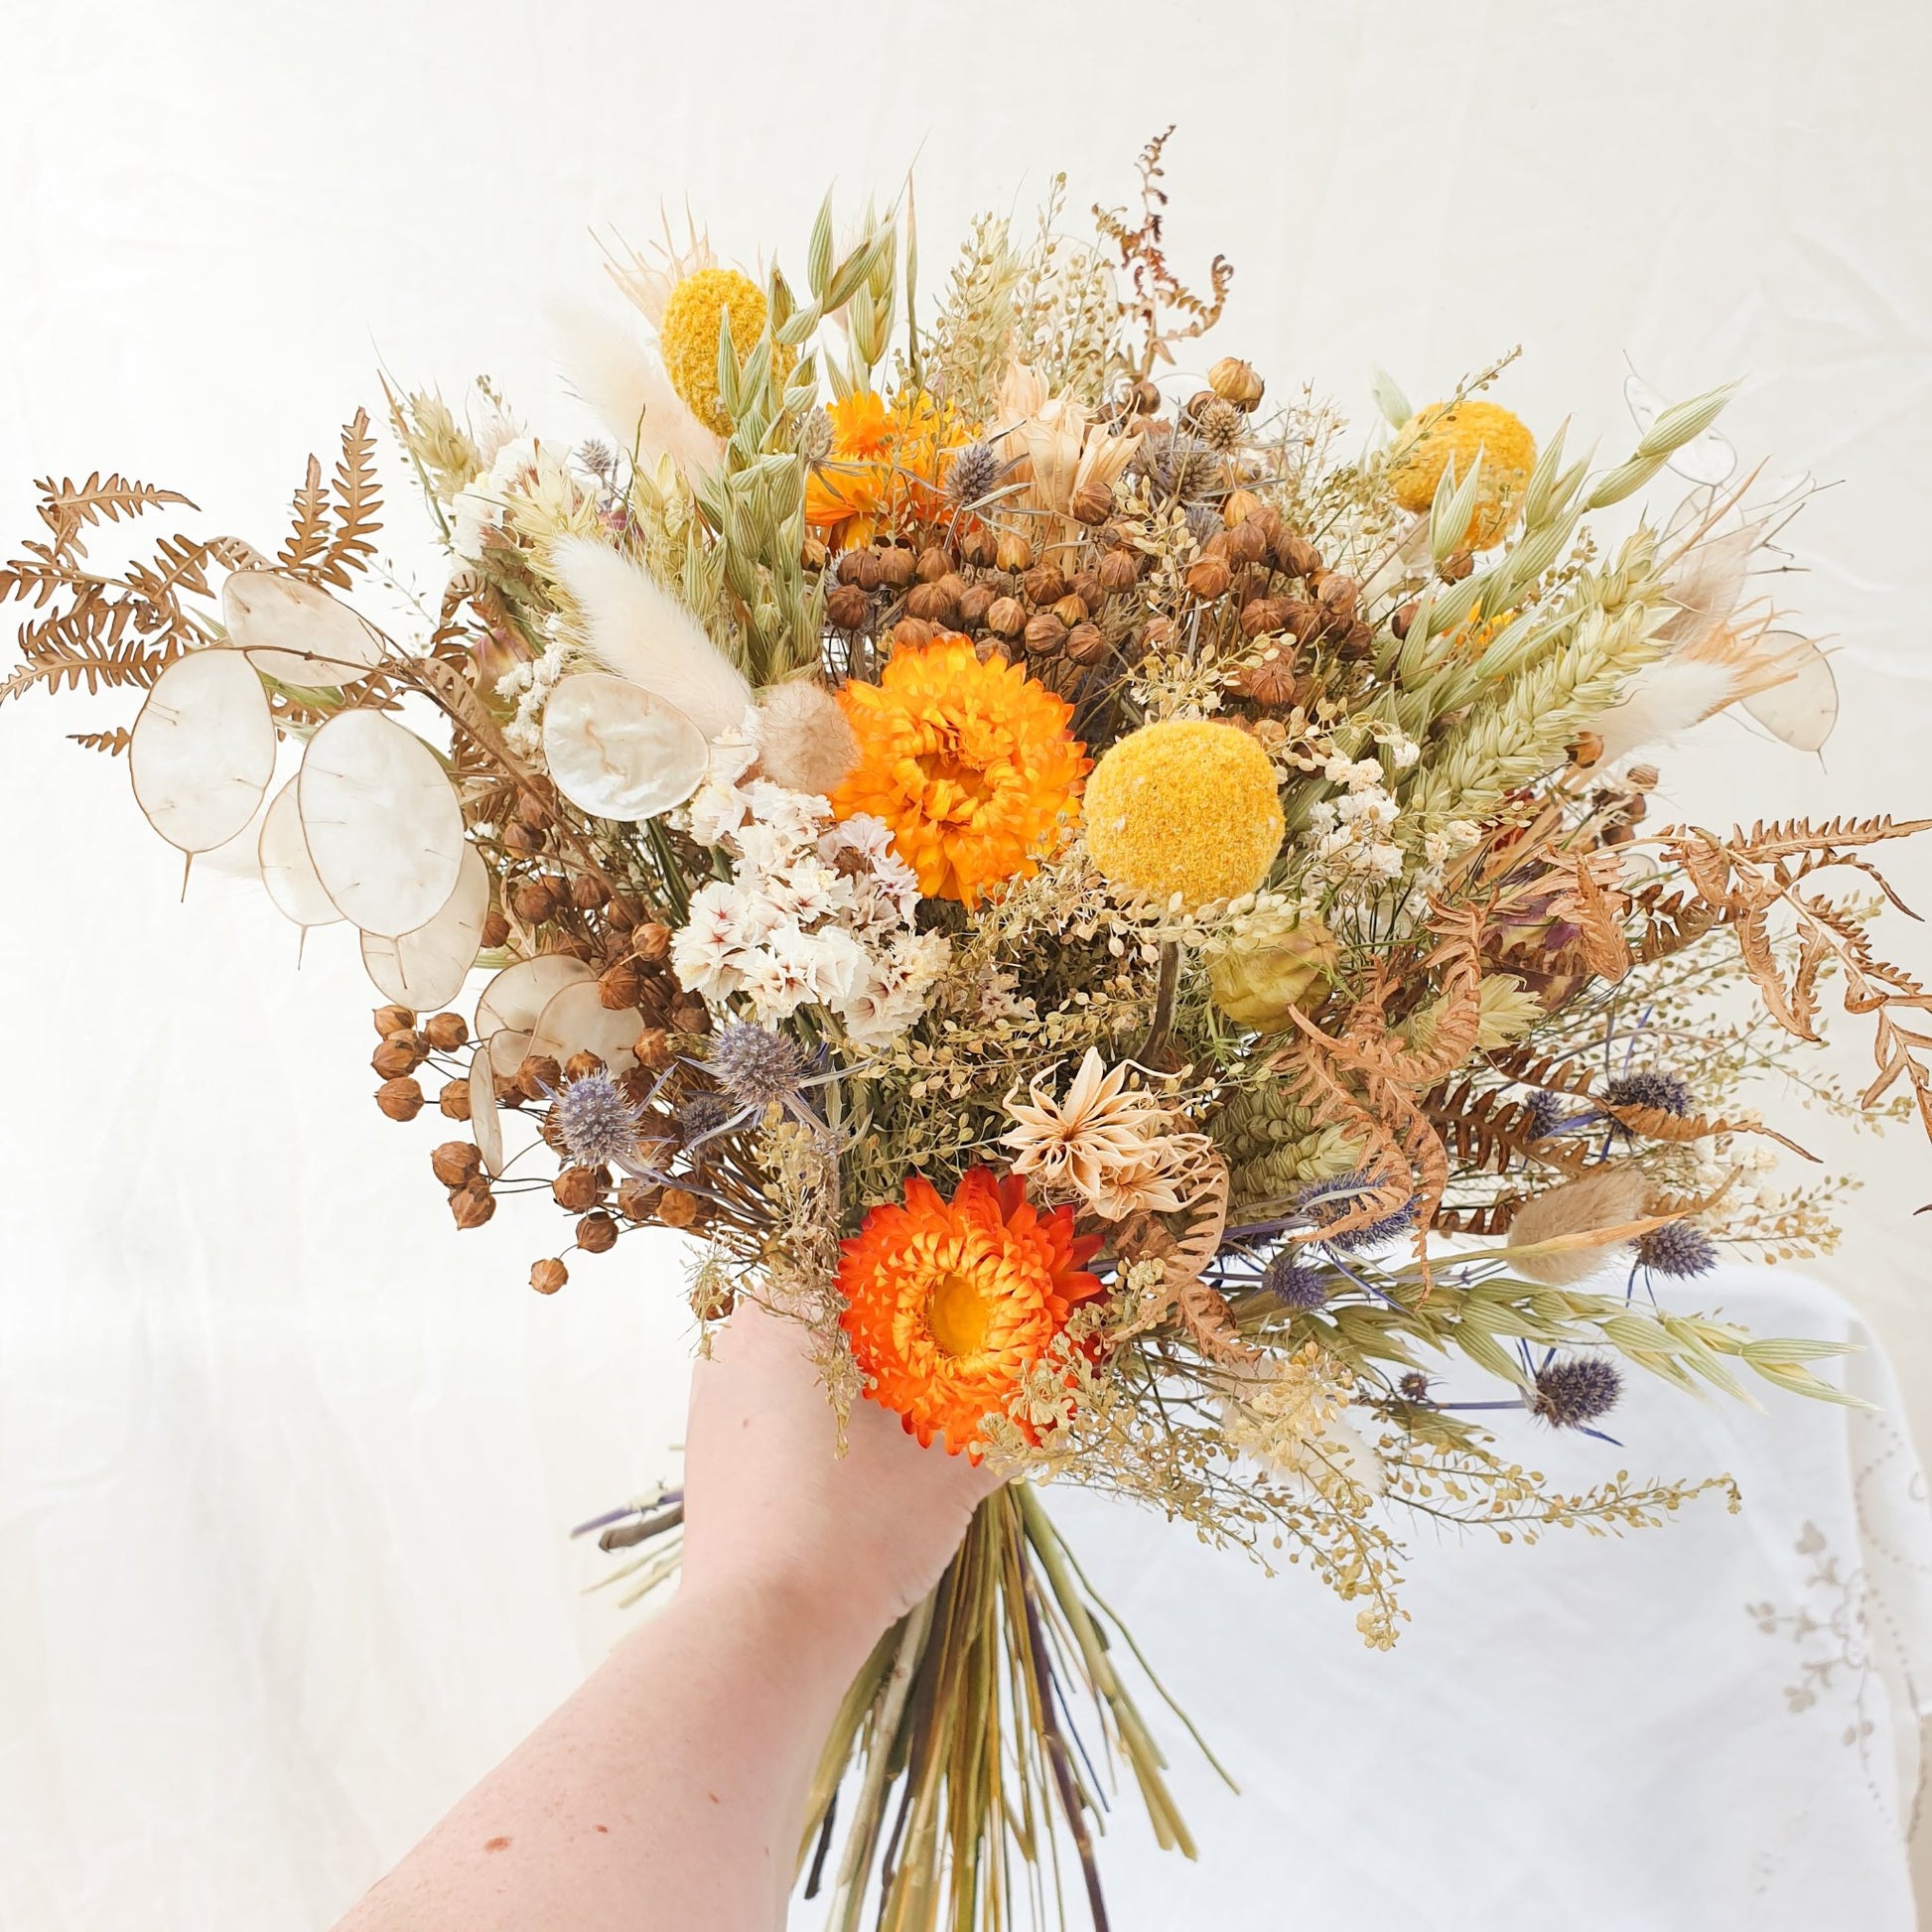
1660 701
621 380
639 631
1609 1198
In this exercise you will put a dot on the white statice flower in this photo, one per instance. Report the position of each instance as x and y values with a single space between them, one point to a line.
523 472
531 685
714 950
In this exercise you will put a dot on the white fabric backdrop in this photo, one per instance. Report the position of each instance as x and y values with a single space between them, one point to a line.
282 1462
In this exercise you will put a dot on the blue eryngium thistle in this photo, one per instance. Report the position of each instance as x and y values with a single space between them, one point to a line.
755 1065
597 1125
1329 1201
1293 1283
1676 1248
1548 1111
1663 1091
1574 1392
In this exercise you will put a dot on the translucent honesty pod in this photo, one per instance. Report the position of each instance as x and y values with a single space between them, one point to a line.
1706 584
288 873
296 633
202 749
617 751
576 1020
1707 459
383 826
426 968
486 1121
514 1001
1803 709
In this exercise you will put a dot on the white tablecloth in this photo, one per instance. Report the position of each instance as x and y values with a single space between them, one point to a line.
272 1591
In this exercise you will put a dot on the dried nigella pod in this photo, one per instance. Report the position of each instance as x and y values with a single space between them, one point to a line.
289 874
384 830
296 633
576 1020
485 1120
427 967
617 751
514 1001
202 749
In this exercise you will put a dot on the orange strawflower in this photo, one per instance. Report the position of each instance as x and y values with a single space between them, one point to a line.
949 1304
969 763
883 474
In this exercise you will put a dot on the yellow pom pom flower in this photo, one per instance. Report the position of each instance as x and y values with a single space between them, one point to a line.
1456 432
689 337
1188 806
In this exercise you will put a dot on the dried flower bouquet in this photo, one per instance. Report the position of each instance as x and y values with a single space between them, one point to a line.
1072 882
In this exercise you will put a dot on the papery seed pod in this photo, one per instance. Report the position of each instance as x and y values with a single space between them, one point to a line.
588 892
471 1205
580 1067
690 1015
1043 585
897 566
1006 616
1457 566
651 941
1072 609
980 548
1336 592
538 1077
533 811
1303 619
454 1100
1296 555
1086 643
579 1188
400 1098
1085 584
618 986
546 1277
402 1052
848 607
913 631
524 840
446 1031
1403 619
1015 552
1208 579
953 585
1269 679
638 1201
1201 400
455 1162
1118 571
531 901
1238 506
1044 634
1264 614
622 914
1247 543
392 1020
1093 502
677 1208
1356 641
933 563
652 1047
1145 397
974 603
1586 748
930 603
1236 381
813 555
1250 582
1157 630
1217 543
597 1233
1642 777
856 567
496 929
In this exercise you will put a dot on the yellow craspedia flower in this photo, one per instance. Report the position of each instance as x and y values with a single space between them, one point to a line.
1188 806
1457 431
689 337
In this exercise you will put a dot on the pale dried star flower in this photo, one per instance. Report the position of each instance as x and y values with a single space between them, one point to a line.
1105 1141
596 1123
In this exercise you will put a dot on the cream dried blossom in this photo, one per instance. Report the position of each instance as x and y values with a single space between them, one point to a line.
1111 1146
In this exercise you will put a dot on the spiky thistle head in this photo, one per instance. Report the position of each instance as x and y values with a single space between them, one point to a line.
1293 1283
1327 1202
976 472
756 1066
1677 1249
703 1112
1547 1112
1575 1390
1184 468
1649 1088
593 1121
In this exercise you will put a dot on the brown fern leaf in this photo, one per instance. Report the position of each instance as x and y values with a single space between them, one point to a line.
1653 1124
359 499
1787 838
308 541
66 508
1489 1133
113 743
100 642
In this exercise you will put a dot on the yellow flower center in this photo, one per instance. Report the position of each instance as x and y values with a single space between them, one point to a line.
957 1312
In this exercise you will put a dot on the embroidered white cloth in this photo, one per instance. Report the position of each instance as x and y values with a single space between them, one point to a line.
1704 1726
